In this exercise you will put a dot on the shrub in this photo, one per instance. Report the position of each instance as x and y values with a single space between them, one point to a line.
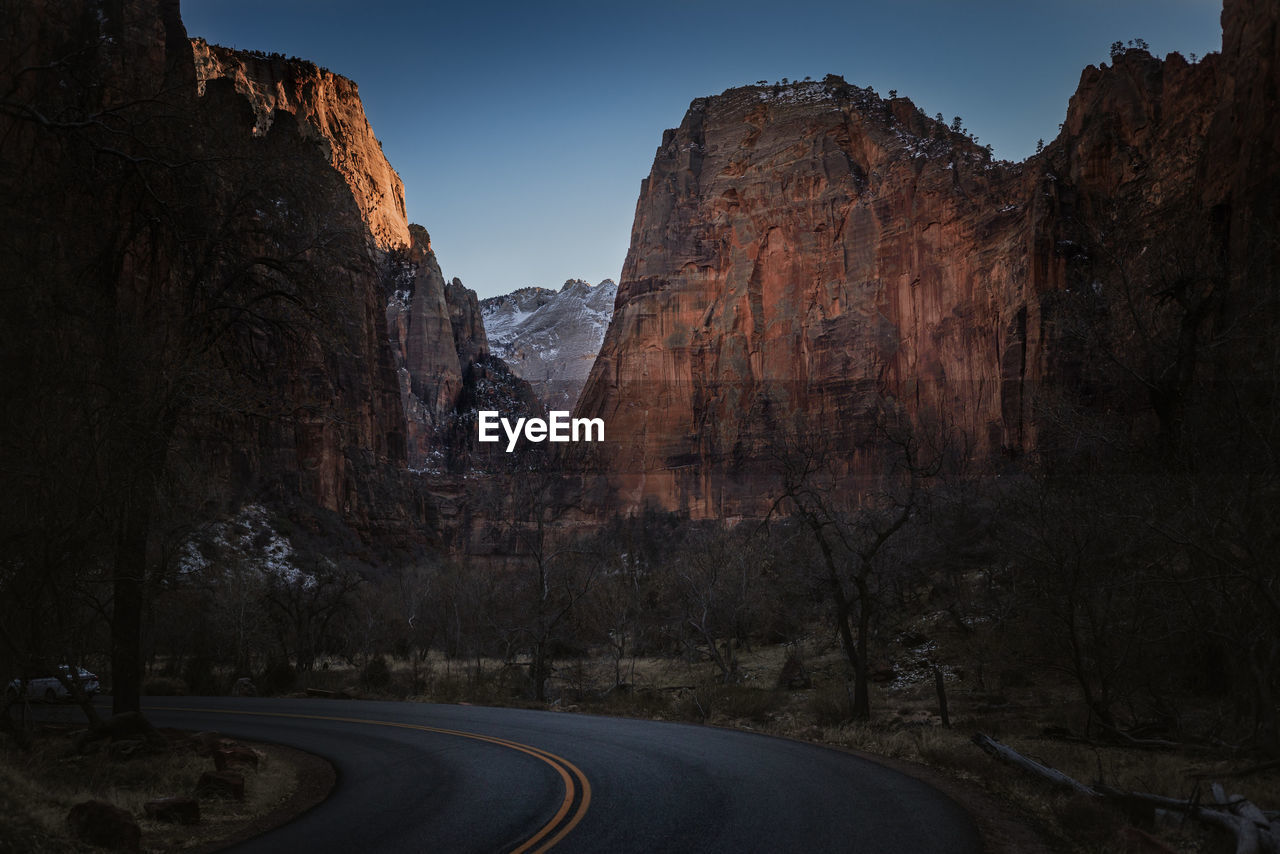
752 704
376 675
164 686
831 705
200 678
698 704
279 677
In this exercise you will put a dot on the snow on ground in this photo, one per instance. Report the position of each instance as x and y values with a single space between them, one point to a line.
248 539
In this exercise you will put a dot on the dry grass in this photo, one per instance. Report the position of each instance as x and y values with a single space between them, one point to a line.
1002 698
39 786
906 727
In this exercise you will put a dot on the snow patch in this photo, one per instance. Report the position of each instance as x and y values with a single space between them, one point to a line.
248 540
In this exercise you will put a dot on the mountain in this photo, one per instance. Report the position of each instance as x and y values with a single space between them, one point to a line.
329 111
438 345
551 338
806 258
237 327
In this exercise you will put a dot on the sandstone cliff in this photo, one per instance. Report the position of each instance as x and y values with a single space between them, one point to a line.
437 337
207 316
329 110
434 326
803 255
795 249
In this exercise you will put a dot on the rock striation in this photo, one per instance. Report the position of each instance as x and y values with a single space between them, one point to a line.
551 338
803 255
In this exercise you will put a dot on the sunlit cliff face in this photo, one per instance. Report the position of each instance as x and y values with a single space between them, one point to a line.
328 106
804 256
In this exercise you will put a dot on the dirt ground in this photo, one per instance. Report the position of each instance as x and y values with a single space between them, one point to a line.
40 784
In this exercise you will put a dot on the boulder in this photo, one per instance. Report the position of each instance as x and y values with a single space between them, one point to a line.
220 784
175 810
236 754
105 825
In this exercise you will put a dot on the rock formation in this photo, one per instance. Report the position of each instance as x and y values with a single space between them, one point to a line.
436 335
224 316
551 338
329 111
438 339
804 255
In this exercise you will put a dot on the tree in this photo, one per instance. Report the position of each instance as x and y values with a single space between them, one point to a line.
552 574
1092 596
853 520
1158 499
715 590
303 605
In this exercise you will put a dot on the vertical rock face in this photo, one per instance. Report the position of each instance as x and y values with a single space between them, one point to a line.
329 110
464 318
433 326
240 339
803 253
797 249
437 335
551 338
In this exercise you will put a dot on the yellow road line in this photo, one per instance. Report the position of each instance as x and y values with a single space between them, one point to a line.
562 766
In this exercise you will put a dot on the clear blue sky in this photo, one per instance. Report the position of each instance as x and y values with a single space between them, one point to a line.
522 130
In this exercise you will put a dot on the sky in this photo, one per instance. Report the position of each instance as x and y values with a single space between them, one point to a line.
522 130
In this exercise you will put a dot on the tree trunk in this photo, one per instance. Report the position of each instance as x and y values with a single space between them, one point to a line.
861 693
126 610
539 672
851 651
940 685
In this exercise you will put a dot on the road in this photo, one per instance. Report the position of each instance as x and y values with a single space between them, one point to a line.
430 778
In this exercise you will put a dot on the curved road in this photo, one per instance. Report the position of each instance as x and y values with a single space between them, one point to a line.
425 778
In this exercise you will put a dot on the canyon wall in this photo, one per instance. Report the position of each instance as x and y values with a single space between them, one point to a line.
437 339
198 241
329 111
805 256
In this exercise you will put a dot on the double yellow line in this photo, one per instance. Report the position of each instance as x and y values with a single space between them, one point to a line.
575 782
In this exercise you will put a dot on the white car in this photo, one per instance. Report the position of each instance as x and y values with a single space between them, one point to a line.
50 688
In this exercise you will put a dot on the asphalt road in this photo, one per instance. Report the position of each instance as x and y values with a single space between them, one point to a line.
430 778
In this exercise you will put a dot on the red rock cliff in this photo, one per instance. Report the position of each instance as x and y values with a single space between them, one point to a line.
329 109
239 340
802 252
436 335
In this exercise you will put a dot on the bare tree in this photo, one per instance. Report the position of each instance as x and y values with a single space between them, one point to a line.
853 519
715 577
552 573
